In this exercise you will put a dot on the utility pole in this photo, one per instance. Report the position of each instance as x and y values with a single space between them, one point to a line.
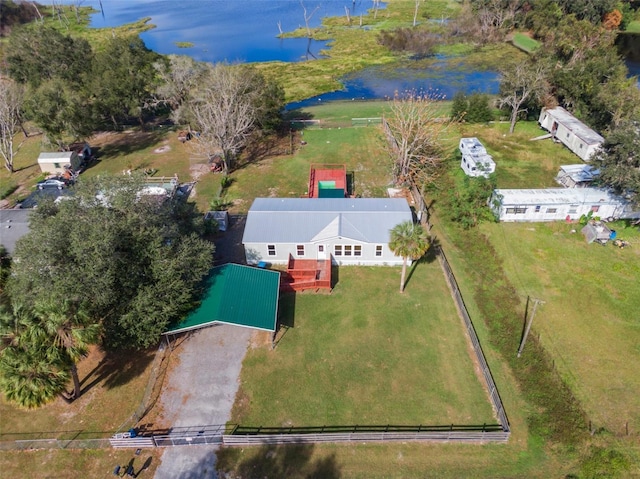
528 328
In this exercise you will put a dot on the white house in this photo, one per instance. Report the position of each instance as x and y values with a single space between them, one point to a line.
553 204
347 230
475 159
577 176
575 135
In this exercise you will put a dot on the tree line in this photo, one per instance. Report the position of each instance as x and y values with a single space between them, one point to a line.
108 266
70 89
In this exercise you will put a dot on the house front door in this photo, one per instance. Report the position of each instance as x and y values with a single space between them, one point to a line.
322 254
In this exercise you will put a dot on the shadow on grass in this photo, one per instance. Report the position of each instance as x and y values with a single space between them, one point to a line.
428 258
117 369
271 461
122 144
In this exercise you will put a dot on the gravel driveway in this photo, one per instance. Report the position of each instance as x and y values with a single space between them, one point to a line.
202 386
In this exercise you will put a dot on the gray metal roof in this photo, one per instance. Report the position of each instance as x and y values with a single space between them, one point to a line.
307 220
556 196
580 173
581 130
14 224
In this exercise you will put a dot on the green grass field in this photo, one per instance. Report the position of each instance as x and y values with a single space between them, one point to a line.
589 321
366 354
525 42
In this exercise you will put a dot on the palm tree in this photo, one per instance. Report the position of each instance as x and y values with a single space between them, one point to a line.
29 378
408 240
70 332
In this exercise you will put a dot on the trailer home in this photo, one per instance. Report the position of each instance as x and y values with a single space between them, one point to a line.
348 231
575 135
475 159
554 204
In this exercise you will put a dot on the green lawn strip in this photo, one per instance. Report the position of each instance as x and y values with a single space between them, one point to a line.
588 323
367 354
525 42
69 463
406 460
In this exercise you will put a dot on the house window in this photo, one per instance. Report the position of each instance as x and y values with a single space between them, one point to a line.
347 250
567 135
595 208
56 165
581 146
573 209
552 210
300 250
516 210
271 249
538 209
357 250
337 250
378 250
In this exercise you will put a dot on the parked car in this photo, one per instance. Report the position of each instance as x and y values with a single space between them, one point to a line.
57 183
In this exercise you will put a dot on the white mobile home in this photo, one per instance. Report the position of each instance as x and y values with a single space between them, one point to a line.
475 159
554 204
348 230
58 162
575 135
577 176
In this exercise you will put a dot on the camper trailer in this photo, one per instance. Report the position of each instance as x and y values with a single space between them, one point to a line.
475 159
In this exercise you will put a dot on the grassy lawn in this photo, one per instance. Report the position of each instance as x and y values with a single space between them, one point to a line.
520 163
366 354
73 464
362 150
113 388
588 322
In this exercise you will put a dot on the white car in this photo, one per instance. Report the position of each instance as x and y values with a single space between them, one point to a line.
51 183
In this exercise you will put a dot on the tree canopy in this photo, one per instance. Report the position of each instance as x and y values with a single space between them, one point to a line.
131 262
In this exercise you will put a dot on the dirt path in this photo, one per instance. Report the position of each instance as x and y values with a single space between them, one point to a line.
200 392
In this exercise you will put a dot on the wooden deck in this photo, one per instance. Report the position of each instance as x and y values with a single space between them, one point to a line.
326 172
304 274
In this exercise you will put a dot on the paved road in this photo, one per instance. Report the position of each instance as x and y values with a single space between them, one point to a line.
199 392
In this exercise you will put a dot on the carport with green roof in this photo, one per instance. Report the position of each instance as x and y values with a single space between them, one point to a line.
239 295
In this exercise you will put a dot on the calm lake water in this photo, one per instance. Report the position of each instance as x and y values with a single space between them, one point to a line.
247 31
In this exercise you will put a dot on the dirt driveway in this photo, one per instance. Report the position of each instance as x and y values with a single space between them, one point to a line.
202 385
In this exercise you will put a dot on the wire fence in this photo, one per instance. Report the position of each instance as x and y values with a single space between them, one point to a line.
494 396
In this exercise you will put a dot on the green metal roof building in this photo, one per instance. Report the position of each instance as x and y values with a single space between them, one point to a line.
237 294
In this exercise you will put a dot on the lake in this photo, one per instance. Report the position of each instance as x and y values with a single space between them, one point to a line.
247 31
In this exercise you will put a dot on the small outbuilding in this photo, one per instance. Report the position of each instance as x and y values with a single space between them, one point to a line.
348 231
577 176
575 135
553 204
475 159
59 162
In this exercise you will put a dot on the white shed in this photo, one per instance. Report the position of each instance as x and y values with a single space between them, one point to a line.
577 176
554 204
575 135
58 162
348 230
475 159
